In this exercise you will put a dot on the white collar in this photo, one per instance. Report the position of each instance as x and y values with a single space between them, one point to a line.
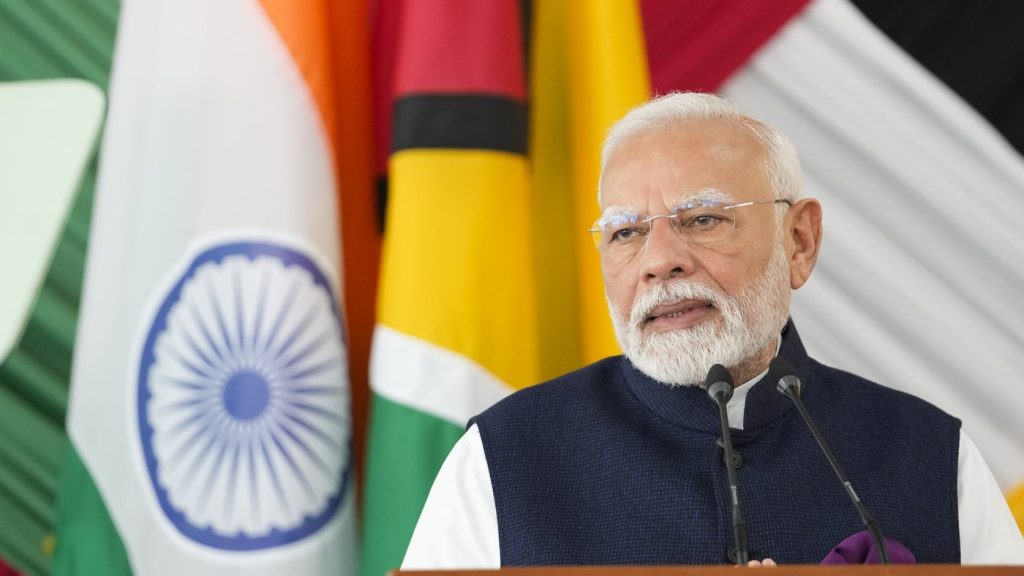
738 402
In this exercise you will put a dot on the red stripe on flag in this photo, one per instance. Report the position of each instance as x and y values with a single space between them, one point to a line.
7 570
385 18
460 46
696 45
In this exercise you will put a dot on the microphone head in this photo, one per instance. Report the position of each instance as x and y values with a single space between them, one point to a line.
786 380
789 384
719 383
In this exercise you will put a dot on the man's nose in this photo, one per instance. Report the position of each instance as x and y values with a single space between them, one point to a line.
666 253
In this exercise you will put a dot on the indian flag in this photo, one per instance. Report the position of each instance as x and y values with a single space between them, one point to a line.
209 411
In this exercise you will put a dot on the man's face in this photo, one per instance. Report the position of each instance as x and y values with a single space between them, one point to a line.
679 306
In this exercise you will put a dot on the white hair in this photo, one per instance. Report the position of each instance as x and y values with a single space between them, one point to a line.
781 165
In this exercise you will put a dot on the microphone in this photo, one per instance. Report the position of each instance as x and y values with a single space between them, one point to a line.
789 386
719 386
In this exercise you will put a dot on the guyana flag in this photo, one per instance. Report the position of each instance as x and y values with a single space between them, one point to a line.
456 326
481 289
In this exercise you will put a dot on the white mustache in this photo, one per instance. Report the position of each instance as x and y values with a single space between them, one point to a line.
670 293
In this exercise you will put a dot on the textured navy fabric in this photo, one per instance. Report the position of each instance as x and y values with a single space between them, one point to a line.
607 466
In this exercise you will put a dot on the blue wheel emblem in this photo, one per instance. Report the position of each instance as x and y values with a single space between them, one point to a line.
243 399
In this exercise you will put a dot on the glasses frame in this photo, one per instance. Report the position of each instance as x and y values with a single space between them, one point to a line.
595 229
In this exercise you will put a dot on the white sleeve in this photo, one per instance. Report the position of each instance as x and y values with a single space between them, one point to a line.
988 532
458 528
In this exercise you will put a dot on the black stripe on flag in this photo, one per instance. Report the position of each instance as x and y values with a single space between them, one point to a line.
459 121
976 48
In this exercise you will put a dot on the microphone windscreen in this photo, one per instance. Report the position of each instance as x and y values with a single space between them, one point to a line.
789 383
785 378
719 381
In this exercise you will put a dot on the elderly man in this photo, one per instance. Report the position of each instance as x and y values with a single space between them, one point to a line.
703 236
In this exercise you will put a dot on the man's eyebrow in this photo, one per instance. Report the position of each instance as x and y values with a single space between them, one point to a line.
619 211
709 195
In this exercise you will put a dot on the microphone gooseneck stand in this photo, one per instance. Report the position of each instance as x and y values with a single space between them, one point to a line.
719 386
789 386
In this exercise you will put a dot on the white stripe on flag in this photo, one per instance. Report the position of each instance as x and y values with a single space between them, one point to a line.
429 378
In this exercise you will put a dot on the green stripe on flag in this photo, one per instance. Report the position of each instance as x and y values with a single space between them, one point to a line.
39 41
28 479
82 518
407 450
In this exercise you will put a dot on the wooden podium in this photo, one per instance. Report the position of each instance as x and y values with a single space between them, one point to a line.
796 570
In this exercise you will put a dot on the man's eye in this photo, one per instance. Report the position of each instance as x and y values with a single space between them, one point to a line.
625 234
702 221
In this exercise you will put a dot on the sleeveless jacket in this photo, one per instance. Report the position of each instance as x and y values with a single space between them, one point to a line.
607 466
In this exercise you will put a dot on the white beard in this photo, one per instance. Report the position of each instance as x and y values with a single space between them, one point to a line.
682 357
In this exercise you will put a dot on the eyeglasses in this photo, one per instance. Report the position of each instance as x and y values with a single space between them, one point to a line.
708 223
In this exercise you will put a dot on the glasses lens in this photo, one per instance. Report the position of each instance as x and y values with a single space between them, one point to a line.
709 226
706 224
620 233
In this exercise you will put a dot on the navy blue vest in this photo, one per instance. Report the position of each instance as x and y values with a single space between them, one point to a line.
607 466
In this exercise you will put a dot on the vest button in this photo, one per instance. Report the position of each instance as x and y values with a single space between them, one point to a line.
736 459
730 554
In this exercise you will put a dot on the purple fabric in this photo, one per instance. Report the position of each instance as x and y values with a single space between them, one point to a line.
860 549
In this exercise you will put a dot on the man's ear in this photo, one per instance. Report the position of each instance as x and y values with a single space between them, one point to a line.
803 239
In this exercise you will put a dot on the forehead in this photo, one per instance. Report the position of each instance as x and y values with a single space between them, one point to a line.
659 169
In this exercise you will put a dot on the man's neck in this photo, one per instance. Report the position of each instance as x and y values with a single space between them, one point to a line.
755 364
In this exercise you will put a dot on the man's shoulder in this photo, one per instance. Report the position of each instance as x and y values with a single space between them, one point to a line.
828 384
848 389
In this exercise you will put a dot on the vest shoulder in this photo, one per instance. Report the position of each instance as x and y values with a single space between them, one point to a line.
847 390
591 381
